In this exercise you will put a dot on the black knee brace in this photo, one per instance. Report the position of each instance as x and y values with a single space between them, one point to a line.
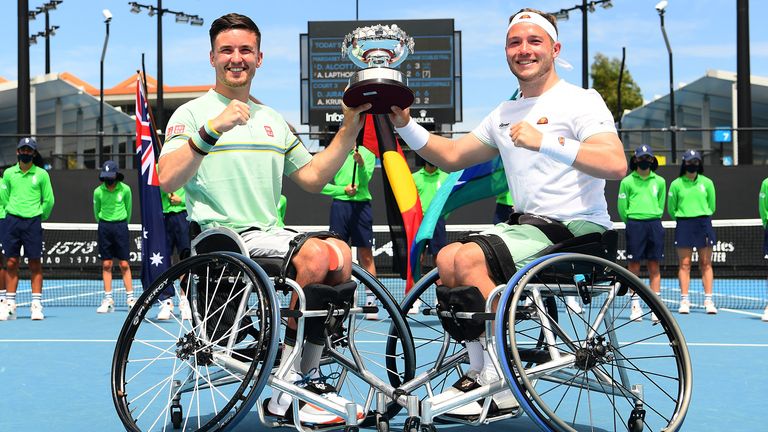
328 298
461 299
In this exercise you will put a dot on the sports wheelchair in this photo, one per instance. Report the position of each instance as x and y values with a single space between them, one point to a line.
569 371
208 373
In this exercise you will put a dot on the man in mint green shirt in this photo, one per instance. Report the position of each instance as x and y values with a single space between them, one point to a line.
641 204
351 215
762 206
428 180
691 204
26 190
112 206
230 154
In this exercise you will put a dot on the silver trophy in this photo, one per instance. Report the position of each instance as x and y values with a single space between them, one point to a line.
378 50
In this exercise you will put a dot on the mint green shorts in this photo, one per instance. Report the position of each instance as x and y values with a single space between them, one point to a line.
526 242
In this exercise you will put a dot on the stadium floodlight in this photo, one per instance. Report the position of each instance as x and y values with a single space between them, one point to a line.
607 5
182 18
107 15
195 20
52 32
661 6
135 7
562 15
33 40
151 11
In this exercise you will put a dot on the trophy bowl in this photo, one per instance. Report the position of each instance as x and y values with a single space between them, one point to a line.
378 50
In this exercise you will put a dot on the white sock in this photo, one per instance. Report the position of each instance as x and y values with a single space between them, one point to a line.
287 350
475 350
310 359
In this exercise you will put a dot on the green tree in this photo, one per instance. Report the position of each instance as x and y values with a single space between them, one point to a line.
605 79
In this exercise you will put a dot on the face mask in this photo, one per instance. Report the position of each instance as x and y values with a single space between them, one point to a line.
691 168
644 165
110 182
25 158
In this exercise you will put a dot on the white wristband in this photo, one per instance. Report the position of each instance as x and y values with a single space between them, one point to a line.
559 148
414 135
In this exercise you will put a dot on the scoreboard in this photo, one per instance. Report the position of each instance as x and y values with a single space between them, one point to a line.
433 71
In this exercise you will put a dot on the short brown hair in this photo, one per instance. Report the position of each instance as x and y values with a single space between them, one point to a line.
233 21
549 17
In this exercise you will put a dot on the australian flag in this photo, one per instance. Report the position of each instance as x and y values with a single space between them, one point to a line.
153 250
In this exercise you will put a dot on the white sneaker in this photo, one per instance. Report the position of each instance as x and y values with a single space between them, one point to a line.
371 301
7 311
504 400
685 307
637 312
107 306
280 405
709 305
130 302
186 311
574 305
654 318
36 310
765 315
416 308
166 310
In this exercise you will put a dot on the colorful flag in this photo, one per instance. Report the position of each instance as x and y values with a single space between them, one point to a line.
400 195
459 189
153 248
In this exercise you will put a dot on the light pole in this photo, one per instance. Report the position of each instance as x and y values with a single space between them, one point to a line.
107 19
181 17
584 7
48 32
661 8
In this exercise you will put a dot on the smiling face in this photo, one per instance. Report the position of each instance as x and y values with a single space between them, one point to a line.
235 56
531 54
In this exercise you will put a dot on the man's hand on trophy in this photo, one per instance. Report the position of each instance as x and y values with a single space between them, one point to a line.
354 116
400 117
235 114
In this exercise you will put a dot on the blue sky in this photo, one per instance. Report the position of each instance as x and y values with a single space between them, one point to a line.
702 34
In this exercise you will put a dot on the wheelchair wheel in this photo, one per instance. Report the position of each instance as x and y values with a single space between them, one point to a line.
596 369
435 350
200 374
358 349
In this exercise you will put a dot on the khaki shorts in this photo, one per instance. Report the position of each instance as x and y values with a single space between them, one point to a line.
526 242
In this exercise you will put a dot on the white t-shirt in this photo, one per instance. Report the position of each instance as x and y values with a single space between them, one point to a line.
539 184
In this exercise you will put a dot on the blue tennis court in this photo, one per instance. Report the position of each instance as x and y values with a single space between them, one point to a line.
56 373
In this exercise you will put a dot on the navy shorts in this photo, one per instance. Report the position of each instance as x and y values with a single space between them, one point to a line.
27 232
113 240
353 222
645 240
439 238
695 232
765 244
2 233
177 233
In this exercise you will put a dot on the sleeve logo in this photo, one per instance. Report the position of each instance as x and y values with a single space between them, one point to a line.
269 132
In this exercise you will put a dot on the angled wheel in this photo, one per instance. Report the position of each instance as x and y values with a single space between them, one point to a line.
595 370
356 352
204 373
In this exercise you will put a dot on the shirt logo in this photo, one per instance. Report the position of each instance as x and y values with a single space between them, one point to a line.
503 125
269 131
561 140
178 129
542 120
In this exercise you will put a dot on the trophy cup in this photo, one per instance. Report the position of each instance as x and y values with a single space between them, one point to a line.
378 50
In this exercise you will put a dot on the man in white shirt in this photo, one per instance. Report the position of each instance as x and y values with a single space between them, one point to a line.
558 144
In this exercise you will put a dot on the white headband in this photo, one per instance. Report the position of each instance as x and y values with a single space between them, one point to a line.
534 18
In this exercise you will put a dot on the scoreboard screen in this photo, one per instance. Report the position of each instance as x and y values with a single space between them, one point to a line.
433 70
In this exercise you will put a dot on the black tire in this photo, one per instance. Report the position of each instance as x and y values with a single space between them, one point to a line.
392 367
150 355
602 355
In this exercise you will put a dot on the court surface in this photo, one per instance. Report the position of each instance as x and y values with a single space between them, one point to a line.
55 374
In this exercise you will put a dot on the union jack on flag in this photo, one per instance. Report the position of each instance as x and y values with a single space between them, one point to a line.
154 259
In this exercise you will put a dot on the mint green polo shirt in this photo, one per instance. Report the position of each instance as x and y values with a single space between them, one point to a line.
344 177
691 198
642 198
112 205
27 194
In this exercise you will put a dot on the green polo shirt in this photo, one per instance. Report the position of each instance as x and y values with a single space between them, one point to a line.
27 194
762 204
239 182
174 208
691 198
642 198
427 185
112 205
343 178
